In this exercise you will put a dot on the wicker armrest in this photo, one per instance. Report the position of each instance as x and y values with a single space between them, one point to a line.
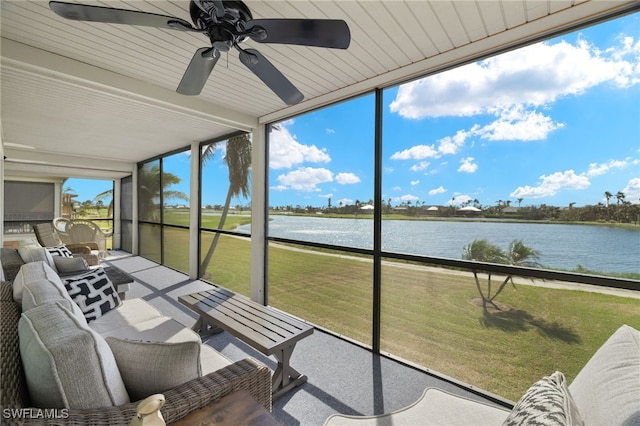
79 248
248 374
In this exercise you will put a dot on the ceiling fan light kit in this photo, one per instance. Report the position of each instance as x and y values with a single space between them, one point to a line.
227 23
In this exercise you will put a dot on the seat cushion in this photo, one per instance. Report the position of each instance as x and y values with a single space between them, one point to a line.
85 377
434 407
607 389
130 312
148 368
161 329
212 360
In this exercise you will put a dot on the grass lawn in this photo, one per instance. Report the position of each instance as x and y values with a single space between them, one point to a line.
431 317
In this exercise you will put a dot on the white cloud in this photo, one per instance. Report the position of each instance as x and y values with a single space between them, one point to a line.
285 151
305 178
438 190
326 196
551 184
632 191
409 197
330 131
596 169
420 166
468 166
415 182
452 144
459 199
534 76
345 202
397 188
417 152
518 124
347 178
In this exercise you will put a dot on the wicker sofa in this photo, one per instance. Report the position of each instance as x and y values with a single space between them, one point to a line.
134 319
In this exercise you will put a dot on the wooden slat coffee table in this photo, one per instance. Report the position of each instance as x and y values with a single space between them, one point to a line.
268 330
237 408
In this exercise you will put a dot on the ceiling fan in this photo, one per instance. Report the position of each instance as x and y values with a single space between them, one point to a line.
226 23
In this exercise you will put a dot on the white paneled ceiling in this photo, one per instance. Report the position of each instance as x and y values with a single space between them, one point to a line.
107 92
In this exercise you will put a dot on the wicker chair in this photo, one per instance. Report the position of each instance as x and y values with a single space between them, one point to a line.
81 231
47 236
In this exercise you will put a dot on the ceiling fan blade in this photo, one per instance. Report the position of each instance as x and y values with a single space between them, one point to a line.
333 33
270 75
198 71
82 12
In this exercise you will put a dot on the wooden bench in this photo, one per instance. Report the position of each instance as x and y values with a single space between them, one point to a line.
266 329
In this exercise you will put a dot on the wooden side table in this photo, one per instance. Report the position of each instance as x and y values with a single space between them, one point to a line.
236 408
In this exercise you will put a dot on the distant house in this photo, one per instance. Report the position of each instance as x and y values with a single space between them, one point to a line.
510 210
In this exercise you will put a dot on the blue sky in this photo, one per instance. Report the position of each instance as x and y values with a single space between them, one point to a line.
553 123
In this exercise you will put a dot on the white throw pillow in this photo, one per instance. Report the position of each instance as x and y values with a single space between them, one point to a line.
94 293
155 367
546 402
66 364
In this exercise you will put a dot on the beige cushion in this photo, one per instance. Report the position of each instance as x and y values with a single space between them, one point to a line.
607 389
66 364
31 272
212 360
546 402
36 254
68 265
162 329
433 408
131 312
153 367
40 292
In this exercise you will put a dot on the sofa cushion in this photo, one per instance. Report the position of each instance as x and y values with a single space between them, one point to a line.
94 292
70 265
130 312
155 367
84 377
36 254
31 272
434 408
40 292
161 329
607 389
212 360
546 402
59 250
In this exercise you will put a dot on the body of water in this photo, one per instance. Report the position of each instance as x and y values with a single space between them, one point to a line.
599 248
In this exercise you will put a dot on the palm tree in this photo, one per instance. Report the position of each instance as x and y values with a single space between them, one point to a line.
101 197
150 190
238 161
482 251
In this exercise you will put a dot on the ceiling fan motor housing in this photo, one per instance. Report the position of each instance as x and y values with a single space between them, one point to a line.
225 31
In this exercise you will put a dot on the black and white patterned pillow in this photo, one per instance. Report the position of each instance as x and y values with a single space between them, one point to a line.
546 402
94 293
60 250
